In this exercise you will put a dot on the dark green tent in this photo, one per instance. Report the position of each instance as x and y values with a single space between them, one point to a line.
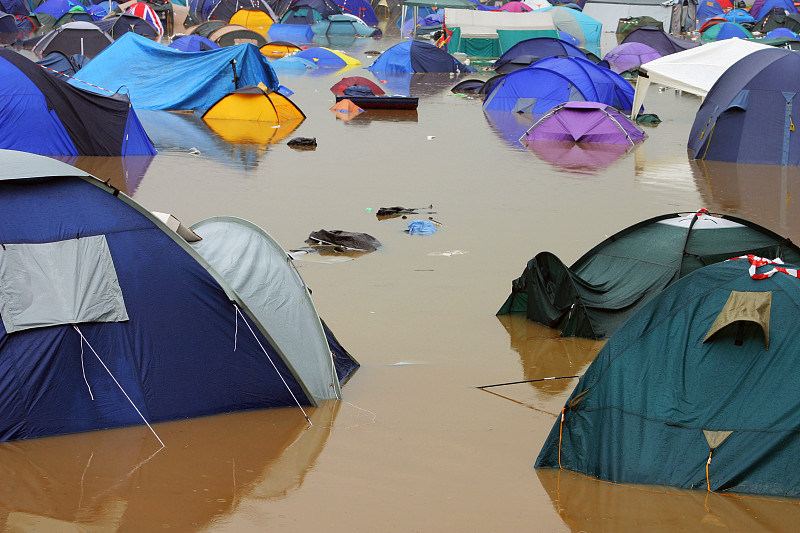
627 25
602 289
709 366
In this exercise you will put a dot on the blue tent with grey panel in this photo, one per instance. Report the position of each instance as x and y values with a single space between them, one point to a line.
115 316
750 113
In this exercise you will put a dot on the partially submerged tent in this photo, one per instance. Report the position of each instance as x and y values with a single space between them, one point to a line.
232 35
344 24
325 57
186 80
130 341
254 102
694 391
43 114
555 80
595 295
657 39
584 122
529 51
693 71
478 33
223 10
279 49
748 115
417 56
307 12
193 43
253 19
339 87
83 38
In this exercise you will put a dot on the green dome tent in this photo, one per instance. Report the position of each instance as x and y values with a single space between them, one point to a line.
696 390
602 289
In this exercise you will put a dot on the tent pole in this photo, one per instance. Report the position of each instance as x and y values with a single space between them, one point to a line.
403 13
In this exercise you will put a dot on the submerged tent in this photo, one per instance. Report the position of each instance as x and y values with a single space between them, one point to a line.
657 39
748 115
694 71
279 49
254 102
186 80
584 122
43 114
417 56
128 340
695 390
325 57
340 86
253 19
608 284
307 12
231 35
344 24
193 43
555 80
529 51
361 9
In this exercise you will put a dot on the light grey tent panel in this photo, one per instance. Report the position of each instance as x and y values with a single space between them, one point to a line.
56 283
261 273
16 165
608 12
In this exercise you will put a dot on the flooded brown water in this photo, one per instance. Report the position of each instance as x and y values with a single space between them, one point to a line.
414 446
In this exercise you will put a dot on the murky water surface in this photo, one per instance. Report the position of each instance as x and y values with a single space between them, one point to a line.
415 446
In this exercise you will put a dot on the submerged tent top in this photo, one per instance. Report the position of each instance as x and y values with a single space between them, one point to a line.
694 70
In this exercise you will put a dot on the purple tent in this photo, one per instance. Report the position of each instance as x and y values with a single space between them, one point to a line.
628 56
579 158
584 122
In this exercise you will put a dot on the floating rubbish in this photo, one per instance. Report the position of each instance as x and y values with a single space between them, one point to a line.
303 143
431 137
398 210
447 254
344 240
194 151
421 227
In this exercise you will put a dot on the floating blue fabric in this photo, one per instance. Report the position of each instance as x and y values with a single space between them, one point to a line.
293 33
185 81
421 227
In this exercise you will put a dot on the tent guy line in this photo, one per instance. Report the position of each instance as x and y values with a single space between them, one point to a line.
527 381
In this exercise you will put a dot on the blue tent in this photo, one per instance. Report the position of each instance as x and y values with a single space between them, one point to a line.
185 80
360 8
193 43
707 9
16 7
535 49
8 28
417 56
749 115
293 33
740 16
782 32
100 10
555 80
45 115
762 7
129 323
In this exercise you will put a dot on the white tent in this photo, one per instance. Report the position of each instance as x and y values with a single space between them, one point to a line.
695 70
484 24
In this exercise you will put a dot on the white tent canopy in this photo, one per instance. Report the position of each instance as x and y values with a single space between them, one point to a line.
484 24
695 70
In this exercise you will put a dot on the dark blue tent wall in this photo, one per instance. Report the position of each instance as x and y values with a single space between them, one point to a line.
45 115
417 56
175 356
750 113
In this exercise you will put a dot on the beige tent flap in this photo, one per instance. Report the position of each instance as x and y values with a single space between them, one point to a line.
744 307
715 438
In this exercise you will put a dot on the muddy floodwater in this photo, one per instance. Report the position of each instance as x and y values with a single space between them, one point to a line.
414 445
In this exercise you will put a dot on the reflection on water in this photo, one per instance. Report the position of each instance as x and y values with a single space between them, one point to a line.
384 115
580 158
241 142
543 353
124 173
119 479
509 126
761 193
589 505
419 84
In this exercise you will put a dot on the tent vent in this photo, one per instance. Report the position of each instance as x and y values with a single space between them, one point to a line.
742 308
715 438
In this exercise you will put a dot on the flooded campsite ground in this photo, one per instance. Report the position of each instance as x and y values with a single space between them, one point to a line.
414 445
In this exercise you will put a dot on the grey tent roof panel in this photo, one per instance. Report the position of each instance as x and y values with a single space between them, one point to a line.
16 165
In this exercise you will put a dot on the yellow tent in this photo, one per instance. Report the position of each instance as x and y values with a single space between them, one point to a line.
255 103
279 49
255 20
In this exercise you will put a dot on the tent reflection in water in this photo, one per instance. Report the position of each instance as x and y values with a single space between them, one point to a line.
696 390
130 341
601 290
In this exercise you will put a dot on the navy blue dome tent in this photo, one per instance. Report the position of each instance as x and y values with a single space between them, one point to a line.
555 80
309 11
417 56
529 51
46 115
749 115
111 318
696 390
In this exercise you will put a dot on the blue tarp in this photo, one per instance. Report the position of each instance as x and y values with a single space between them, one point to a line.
751 112
184 80
417 56
555 80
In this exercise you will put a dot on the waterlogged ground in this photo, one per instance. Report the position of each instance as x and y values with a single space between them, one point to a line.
414 446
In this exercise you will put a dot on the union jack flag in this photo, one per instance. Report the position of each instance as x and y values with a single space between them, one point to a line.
143 11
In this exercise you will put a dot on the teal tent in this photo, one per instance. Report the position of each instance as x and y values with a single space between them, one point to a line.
697 390
602 289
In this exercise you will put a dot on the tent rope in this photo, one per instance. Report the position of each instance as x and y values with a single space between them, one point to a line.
83 339
239 312
83 370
